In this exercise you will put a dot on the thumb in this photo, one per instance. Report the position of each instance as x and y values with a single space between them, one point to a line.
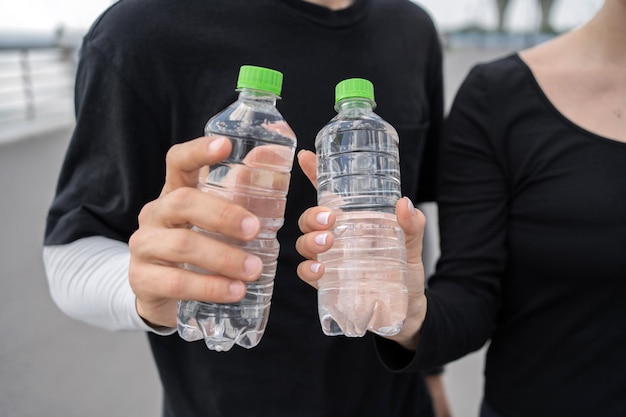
184 160
308 163
412 221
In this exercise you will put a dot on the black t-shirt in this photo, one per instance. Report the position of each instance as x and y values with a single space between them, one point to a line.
151 74
533 237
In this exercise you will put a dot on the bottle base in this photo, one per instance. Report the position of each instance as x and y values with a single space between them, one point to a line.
330 327
356 307
221 326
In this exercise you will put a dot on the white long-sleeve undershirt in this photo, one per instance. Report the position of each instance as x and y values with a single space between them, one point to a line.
88 281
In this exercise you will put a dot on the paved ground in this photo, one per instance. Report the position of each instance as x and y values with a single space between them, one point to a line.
51 365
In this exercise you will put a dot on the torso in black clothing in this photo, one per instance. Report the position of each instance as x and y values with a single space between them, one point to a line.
563 308
151 74
533 242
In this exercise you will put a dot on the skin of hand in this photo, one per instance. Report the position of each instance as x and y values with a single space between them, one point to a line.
438 395
315 224
164 240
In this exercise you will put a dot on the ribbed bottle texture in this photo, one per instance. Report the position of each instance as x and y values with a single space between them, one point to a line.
255 176
358 174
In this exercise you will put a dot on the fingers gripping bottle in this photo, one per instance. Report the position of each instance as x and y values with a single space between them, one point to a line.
358 176
256 176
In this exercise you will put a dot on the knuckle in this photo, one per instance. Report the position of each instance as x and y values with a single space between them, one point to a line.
146 212
180 241
134 275
138 279
136 244
179 198
300 270
302 222
303 246
299 242
134 241
172 154
225 261
228 214
175 285
210 290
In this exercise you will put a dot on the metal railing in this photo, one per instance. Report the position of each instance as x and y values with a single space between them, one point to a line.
36 80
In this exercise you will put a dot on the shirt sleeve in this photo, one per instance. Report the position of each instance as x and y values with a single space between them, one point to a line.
464 293
115 161
88 281
114 164
434 87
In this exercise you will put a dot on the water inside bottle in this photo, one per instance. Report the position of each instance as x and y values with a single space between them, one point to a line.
364 283
259 183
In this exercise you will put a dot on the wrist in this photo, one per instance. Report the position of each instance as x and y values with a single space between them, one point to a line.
153 326
409 336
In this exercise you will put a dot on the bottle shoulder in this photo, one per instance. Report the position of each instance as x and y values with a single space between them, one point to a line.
245 118
360 119
370 121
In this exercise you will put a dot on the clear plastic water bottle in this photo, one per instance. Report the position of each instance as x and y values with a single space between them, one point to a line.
256 176
358 176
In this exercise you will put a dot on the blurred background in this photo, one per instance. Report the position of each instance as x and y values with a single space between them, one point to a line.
51 365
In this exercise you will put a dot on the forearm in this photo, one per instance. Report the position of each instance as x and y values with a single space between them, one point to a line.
88 280
438 395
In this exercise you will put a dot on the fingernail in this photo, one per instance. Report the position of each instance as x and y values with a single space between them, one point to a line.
216 144
410 206
236 288
322 218
321 239
249 225
252 265
315 267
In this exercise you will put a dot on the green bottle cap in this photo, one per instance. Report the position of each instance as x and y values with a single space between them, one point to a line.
259 78
354 88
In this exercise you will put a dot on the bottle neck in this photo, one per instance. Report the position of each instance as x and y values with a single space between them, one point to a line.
355 104
249 94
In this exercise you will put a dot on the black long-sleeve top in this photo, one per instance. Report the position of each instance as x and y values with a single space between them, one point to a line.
533 241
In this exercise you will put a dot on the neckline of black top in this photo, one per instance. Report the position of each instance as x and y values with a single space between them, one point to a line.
330 18
555 110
